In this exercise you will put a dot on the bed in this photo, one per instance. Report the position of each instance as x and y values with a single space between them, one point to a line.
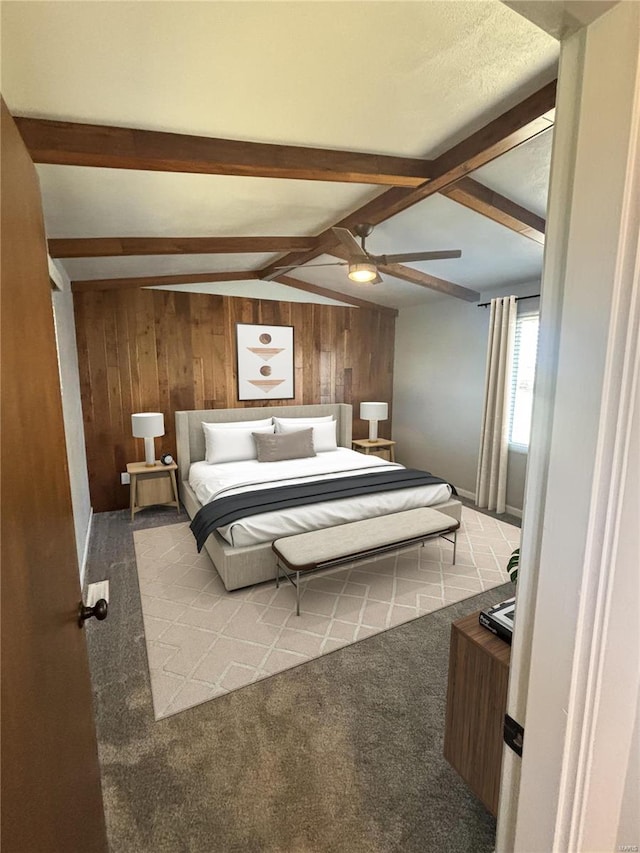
241 551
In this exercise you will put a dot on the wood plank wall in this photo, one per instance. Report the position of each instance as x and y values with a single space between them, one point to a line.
164 351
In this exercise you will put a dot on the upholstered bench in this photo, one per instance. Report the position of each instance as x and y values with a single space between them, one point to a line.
333 547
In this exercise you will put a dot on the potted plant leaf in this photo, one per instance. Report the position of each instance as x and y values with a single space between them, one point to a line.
512 565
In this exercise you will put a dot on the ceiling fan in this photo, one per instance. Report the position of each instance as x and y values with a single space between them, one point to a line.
363 266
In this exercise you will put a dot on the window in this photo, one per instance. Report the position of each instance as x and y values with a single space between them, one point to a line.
522 376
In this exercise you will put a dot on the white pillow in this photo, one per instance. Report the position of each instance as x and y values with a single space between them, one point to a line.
300 423
231 445
324 435
238 424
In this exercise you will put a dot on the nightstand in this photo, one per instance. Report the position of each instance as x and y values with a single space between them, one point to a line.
152 486
376 447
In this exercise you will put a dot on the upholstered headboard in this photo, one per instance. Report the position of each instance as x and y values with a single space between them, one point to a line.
190 436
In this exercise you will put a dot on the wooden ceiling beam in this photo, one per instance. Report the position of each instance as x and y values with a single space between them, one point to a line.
64 142
250 275
512 128
497 207
334 294
159 280
423 279
105 247
103 146
508 131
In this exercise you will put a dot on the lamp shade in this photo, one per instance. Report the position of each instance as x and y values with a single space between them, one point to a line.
374 411
147 424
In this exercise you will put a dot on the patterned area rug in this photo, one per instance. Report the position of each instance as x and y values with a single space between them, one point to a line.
203 641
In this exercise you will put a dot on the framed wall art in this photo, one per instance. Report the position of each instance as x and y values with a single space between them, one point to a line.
265 362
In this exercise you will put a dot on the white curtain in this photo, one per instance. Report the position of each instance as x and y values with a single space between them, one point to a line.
491 483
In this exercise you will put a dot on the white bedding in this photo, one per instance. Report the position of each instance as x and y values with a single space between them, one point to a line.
212 481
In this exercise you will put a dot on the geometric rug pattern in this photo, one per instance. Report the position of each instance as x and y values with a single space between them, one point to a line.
203 641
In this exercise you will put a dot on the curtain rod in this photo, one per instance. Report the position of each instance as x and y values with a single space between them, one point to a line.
518 299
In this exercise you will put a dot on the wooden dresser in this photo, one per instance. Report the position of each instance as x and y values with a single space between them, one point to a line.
476 704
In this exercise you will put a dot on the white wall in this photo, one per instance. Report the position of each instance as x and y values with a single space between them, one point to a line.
72 412
440 357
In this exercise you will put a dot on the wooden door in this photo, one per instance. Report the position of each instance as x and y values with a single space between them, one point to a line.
51 798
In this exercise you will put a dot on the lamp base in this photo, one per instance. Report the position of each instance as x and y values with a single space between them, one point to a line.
149 453
373 430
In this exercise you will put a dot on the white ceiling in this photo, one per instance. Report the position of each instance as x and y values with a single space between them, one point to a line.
403 78
522 174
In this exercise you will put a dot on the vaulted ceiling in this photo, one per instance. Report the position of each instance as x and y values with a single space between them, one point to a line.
256 120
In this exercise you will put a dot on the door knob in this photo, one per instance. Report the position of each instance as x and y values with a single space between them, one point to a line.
100 610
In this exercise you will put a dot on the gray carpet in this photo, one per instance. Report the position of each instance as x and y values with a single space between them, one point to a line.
341 754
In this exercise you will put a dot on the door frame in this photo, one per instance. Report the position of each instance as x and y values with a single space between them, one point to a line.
574 681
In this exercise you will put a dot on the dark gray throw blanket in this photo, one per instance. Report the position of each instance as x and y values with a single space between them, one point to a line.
225 510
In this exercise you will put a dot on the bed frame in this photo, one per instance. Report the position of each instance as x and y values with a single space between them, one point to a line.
239 567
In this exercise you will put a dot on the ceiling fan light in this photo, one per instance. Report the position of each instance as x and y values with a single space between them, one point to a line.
362 273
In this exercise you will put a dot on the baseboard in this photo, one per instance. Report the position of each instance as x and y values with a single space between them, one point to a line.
85 554
512 510
465 494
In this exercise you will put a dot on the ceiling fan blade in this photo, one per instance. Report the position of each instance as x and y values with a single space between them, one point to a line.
430 281
418 256
284 270
347 239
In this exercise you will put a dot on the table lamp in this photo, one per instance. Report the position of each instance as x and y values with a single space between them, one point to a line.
148 425
374 412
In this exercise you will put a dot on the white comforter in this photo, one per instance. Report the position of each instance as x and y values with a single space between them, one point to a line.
214 481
